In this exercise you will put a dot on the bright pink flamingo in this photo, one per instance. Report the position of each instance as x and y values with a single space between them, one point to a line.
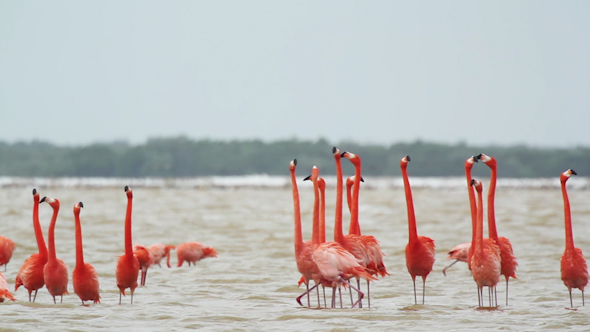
574 270
55 271
485 261
509 263
84 277
159 251
7 247
420 249
4 292
145 259
192 252
30 274
127 265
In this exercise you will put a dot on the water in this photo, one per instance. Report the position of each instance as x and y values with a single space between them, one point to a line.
252 284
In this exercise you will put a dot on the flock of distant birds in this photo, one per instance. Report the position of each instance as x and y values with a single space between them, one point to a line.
45 269
335 263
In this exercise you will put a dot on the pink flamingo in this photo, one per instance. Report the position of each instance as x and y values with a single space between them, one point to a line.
159 251
4 292
55 271
420 249
127 265
30 274
7 247
192 252
574 270
84 277
485 261
145 259
509 263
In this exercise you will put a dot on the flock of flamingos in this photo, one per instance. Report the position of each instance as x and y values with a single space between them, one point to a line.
329 264
45 269
336 263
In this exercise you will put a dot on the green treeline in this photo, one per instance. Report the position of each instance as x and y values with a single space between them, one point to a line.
184 157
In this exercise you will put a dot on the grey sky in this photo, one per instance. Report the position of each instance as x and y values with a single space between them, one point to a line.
494 72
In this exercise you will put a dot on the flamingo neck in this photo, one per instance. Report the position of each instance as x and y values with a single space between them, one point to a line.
493 233
322 214
338 232
51 250
413 232
128 246
168 259
355 227
297 213
349 194
569 233
472 206
478 243
38 230
315 232
79 250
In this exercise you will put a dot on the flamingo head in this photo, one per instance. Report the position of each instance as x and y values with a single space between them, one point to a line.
336 153
77 207
354 159
566 175
35 195
293 164
54 202
350 181
470 161
322 184
490 161
477 185
129 192
315 174
404 161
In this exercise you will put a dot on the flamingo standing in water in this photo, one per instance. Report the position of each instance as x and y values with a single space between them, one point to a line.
192 252
420 249
159 251
55 271
7 247
574 270
127 265
30 274
84 277
4 292
509 263
145 259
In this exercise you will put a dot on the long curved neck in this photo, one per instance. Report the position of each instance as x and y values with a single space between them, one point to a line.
472 204
297 214
51 250
322 214
338 232
413 232
478 244
37 226
569 237
315 232
128 246
79 250
493 233
355 227
168 258
349 194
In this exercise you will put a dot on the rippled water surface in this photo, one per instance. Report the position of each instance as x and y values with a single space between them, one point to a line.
252 285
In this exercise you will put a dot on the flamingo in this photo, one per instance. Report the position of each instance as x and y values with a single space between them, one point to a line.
420 249
30 274
485 261
192 252
55 271
4 292
7 247
127 265
349 184
509 263
84 277
574 270
159 251
145 259
463 252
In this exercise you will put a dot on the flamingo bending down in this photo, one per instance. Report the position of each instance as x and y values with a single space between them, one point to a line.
4 292
30 274
145 259
7 247
84 277
159 251
420 249
509 263
192 252
127 265
55 271
574 270
485 261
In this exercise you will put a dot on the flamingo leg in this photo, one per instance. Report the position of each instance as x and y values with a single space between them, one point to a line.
132 296
351 300
144 277
318 294
490 296
361 295
507 290
54 300
583 304
445 269
358 284
333 298
571 301
324 289
61 299
479 295
368 294
340 293
120 297
308 301
414 281
423 288
306 292
496 296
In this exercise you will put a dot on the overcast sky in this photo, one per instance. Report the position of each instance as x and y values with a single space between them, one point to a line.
493 72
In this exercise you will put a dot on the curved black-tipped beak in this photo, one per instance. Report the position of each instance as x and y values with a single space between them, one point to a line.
573 172
295 161
81 204
34 191
307 178
408 158
126 188
334 150
362 180
472 181
475 159
343 153
43 199
478 157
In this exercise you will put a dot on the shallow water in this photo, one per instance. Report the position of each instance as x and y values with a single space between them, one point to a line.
252 285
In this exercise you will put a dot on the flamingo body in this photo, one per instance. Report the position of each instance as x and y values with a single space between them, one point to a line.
4 292
159 251
193 252
420 256
574 269
86 284
145 259
7 247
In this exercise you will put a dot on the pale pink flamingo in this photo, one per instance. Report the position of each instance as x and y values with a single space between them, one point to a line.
55 271
145 259
420 249
509 263
159 251
485 262
4 292
574 270
84 277
30 274
192 252
127 265
7 247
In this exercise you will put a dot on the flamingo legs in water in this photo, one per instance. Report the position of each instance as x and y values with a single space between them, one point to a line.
306 293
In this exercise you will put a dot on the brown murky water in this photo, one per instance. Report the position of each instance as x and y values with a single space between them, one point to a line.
252 285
